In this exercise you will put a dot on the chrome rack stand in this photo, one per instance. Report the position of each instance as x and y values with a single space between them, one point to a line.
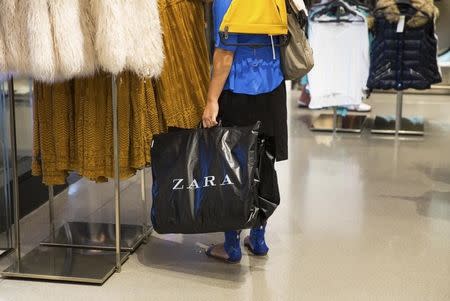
86 234
335 123
66 264
399 125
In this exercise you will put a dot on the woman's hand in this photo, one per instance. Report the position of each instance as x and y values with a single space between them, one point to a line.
209 118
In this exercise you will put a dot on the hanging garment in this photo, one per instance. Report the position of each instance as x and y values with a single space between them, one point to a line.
56 40
182 88
341 52
407 59
256 17
73 127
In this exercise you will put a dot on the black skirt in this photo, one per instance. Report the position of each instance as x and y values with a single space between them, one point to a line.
269 108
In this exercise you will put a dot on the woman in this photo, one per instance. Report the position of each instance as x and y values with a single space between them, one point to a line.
247 86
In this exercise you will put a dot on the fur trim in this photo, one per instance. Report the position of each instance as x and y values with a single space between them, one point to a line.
88 28
143 32
60 39
12 18
42 61
3 66
69 39
110 42
425 9
370 22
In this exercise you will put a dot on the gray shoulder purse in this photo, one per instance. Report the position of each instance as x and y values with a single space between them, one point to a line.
297 57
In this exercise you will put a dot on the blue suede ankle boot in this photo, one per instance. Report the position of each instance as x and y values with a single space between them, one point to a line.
256 242
232 247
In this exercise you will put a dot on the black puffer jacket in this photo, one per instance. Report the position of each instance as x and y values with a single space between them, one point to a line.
403 60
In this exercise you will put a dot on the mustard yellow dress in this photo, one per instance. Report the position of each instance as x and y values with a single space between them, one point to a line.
73 127
182 88
73 119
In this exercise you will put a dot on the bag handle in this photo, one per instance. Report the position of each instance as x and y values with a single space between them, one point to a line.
200 125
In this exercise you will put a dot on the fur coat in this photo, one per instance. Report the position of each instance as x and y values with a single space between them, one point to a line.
55 40
425 10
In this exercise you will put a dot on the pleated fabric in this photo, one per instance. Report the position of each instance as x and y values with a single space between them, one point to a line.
73 127
183 85
73 119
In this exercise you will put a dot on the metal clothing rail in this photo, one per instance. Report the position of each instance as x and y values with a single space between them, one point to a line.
69 264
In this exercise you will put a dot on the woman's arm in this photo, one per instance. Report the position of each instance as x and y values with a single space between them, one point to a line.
222 62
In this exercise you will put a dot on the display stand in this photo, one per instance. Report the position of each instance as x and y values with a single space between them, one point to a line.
399 125
65 264
89 235
335 123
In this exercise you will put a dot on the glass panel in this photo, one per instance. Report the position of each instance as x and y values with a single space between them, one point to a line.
24 125
5 186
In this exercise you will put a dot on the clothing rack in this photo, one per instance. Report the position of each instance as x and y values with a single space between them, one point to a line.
70 260
399 125
336 123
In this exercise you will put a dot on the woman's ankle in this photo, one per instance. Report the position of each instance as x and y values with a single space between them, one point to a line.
257 241
232 238
232 245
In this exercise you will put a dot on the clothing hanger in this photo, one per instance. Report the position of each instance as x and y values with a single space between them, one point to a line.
340 9
355 3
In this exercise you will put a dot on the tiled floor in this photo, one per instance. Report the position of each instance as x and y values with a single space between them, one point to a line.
363 218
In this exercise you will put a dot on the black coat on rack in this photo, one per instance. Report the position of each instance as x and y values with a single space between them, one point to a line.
406 58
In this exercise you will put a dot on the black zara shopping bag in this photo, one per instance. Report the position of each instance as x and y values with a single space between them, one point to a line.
204 180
